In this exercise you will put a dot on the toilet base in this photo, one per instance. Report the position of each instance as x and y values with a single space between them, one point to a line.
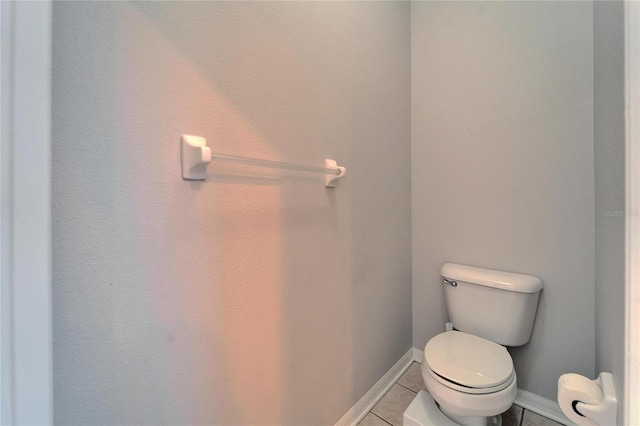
473 421
423 411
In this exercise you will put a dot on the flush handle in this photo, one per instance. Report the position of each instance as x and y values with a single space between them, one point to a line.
450 282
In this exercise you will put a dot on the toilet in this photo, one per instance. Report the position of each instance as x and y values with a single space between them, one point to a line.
468 372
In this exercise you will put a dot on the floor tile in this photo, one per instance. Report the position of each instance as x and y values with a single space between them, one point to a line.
372 420
412 378
512 416
391 407
532 419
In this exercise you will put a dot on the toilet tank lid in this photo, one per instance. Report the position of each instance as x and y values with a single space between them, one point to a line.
499 279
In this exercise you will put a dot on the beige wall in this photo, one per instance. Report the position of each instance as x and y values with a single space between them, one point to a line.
502 166
256 297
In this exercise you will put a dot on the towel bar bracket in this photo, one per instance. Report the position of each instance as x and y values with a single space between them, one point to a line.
330 179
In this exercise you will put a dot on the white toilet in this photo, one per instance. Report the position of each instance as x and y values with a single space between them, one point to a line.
468 371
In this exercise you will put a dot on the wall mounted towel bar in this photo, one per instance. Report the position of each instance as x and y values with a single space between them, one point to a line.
196 156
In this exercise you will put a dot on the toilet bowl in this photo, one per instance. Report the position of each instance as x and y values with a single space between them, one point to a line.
470 378
468 372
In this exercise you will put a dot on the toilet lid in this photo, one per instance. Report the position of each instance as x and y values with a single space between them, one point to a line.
468 360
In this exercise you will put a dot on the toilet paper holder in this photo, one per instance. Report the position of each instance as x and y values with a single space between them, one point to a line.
602 413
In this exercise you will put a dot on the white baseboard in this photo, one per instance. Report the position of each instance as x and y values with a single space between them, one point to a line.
366 403
543 406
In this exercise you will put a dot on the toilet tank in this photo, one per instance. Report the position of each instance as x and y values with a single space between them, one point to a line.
499 306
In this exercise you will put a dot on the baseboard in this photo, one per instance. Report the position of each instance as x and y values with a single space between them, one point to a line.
543 406
366 403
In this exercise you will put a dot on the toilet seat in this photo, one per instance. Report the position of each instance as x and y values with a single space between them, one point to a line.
466 389
469 363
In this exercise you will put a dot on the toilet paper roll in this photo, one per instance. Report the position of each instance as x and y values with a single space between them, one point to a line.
574 388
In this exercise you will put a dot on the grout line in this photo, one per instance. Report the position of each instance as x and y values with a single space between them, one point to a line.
400 384
521 416
381 418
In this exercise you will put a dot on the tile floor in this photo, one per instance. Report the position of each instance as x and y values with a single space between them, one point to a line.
389 410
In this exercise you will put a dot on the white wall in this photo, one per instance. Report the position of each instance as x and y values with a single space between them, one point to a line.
502 166
608 26
256 297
